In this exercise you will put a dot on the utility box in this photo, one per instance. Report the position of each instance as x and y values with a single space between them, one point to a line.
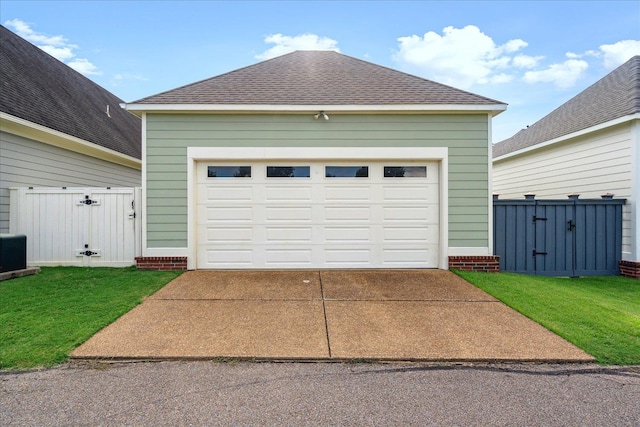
13 252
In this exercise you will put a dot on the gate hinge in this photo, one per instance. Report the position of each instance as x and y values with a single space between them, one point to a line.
572 225
538 253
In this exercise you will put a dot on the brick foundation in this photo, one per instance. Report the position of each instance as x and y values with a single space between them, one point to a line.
162 263
630 269
488 263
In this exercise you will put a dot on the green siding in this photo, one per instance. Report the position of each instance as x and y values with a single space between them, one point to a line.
168 135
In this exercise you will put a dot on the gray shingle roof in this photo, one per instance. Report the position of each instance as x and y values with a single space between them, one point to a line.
35 86
316 78
614 96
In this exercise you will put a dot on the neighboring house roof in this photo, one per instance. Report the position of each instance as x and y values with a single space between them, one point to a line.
36 87
614 96
318 78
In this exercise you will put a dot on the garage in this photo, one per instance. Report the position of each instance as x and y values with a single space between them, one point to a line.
317 214
315 159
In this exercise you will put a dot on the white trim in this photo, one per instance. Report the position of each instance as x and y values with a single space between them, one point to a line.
582 132
495 109
469 251
634 135
316 153
144 184
30 130
441 154
490 186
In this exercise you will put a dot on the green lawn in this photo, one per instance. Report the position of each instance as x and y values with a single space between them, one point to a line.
45 316
601 315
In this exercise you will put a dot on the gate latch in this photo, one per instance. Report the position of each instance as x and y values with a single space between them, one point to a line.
537 218
538 253
572 225
87 201
87 252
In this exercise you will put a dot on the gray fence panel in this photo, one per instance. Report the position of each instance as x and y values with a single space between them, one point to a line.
554 240
513 232
559 237
598 248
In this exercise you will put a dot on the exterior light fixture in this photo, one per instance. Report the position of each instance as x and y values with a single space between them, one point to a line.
321 114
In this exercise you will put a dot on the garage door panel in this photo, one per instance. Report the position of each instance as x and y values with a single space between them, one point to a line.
347 256
414 193
225 257
410 213
288 213
346 234
405 255
289 234
228 214
290 193
227 234
417 234
289 256
333 193
347 213
213 194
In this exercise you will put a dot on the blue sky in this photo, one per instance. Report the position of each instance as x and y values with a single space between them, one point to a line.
533 55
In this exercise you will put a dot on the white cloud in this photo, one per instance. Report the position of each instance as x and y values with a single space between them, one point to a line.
563 75
285 44
618 53
56 46
60 53
460 56
83 66
526 61
502 78
127 76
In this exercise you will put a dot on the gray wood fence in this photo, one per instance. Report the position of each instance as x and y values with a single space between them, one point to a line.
571 237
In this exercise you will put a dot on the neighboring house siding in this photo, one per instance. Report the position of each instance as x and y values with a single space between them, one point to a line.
167 137
591 165
28 163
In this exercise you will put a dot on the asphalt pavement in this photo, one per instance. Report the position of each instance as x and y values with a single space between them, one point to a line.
224 393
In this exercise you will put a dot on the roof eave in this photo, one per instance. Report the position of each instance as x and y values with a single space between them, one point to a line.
30 130
576 134
493 109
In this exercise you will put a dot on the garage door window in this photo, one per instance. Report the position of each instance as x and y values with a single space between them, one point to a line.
346 171
405 171
288 171
229 171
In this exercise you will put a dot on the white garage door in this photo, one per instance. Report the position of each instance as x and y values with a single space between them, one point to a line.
317 215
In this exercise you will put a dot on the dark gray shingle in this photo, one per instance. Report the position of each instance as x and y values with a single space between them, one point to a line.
316 78
35 86
615 95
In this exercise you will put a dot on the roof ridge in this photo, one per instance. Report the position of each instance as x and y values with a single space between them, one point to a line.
315 77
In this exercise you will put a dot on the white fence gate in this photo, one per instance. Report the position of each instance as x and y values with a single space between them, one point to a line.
77 226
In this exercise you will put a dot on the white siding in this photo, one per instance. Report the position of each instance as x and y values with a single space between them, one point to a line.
592 165
28 163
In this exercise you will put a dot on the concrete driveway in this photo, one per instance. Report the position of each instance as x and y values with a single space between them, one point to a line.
426 315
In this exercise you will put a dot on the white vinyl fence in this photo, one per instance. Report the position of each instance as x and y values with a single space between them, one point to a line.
78 226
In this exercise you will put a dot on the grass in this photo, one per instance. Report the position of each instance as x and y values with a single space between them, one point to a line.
45 316
601 315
